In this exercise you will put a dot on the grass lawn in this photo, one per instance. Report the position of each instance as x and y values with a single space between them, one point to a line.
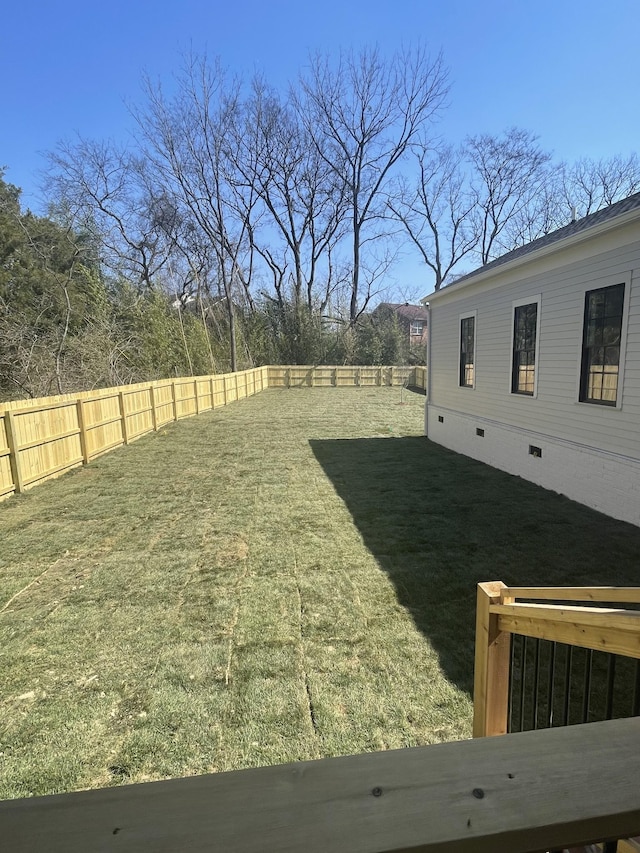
288 578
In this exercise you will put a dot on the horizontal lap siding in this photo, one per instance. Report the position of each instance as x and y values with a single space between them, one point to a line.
555 411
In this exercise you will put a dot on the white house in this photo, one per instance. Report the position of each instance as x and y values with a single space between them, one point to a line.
534 362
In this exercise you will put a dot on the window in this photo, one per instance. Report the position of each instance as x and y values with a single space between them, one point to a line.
467 346
416 328
601 338
525 325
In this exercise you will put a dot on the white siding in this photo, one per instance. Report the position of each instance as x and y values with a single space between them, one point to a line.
555 411
590 453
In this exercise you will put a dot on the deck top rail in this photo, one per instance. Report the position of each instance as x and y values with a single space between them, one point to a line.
476 796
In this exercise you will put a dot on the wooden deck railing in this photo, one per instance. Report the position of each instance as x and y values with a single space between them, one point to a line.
43 438
548 789
558 615
525 792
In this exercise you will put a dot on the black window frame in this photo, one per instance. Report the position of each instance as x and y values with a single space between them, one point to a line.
464 364
524 352
596 342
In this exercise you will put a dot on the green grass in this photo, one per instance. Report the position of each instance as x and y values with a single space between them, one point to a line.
288 578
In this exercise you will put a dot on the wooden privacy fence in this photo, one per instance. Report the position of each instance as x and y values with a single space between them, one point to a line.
349 376
43 438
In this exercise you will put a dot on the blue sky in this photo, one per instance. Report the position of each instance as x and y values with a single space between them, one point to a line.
566 70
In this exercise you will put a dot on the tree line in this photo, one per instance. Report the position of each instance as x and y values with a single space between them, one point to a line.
244 225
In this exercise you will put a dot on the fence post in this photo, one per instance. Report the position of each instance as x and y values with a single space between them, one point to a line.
174 400
224 387
379 377
154 413
213 399
14 452
83 432
123 417
287 374
491 672
195 388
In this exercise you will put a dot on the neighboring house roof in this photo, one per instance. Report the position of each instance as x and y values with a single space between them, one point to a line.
573 230
406 311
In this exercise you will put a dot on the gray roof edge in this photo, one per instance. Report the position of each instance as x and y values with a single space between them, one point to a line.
600 222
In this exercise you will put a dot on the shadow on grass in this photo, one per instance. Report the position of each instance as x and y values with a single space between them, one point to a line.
438 523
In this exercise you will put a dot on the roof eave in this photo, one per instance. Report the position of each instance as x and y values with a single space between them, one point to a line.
573 239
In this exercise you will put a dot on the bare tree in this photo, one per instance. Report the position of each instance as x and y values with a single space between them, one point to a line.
508 172
299 190
362 114
108 191
187 138
437 210
589 185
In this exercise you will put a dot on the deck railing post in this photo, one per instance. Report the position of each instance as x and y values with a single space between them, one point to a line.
491 673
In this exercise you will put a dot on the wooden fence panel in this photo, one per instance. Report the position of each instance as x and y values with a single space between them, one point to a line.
241 385
346 377
231 382
163 394
401 375
45 441
139 413
277 377
324 377
370 376
103 424
203 385
185 398
7 486
419 379
219 396
300 376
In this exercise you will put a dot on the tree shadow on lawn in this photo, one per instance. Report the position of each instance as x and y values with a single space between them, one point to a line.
438 523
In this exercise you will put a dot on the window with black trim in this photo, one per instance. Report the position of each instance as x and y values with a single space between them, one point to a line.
467 348
601 338
523 375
